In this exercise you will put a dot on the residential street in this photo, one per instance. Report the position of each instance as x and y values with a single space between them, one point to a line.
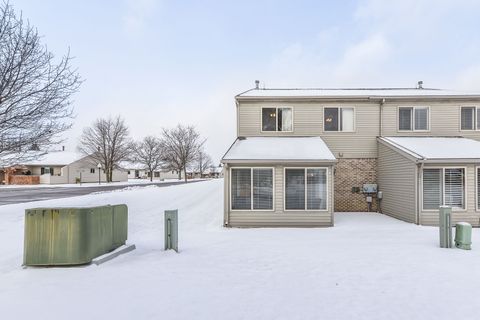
19 195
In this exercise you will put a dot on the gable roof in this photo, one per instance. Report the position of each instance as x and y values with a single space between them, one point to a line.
437 149
41 158
364 93
309 149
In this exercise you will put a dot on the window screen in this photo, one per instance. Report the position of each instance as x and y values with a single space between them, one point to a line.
316 189
294 189
405 118
454 188
262 189
467 117
432 188
421 118
269 119
331 119
241 189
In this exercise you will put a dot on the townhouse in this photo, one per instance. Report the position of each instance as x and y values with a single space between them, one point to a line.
303 154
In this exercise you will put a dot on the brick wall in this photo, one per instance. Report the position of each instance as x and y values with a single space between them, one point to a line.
353 173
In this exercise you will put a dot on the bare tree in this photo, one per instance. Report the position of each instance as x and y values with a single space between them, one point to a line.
181 146
35 92
149 152
106 142
204 161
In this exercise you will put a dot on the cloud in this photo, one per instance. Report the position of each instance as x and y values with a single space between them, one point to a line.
137 15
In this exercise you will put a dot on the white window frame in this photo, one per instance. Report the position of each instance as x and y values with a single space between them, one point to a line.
339 119
465 196
477 204
305 191
476 111
413 119
276 119
251 189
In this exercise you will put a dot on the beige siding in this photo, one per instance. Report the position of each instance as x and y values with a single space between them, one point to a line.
470 214
396 179
444 121
308 121
278 217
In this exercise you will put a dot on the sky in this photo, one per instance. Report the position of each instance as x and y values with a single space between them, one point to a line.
158 63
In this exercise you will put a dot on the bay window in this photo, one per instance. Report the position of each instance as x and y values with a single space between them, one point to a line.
277 119
413 119
443 186
305 189
339 119
252 188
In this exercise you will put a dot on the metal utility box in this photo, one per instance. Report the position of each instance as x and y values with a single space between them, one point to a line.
72 236
369 188
171 230
463 236
445 223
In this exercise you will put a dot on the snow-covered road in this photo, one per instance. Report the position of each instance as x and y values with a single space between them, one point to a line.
368 266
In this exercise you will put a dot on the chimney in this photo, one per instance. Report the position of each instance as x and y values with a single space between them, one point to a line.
63 148
257 84
420 84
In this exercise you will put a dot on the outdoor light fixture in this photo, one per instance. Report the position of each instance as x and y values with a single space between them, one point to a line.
99 166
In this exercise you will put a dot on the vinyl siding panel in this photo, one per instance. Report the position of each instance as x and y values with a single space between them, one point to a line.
396 179
470 214
308 121
278 217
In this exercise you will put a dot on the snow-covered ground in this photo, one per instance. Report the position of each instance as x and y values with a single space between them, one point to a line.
368 266
90 184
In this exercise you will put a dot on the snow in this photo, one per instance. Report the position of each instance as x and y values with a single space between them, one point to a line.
279 148
360 92
91 184
368 266
433 148
54 158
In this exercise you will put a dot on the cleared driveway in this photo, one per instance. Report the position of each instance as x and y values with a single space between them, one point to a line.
20 195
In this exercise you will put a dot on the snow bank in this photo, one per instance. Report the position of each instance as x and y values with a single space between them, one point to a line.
368 266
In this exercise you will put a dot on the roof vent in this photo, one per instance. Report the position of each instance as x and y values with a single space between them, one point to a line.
257 84
420 84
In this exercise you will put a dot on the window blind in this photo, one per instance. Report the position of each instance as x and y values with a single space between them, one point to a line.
405 118
316 189
241 189
454 188
467 117
432 188
262 189
285 119
294 189
421 118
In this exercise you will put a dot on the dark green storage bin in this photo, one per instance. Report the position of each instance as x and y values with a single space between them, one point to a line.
72 236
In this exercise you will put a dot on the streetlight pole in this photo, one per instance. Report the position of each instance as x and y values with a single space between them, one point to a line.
99 166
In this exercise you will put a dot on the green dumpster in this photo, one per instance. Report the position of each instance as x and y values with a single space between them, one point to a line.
463 236
72 236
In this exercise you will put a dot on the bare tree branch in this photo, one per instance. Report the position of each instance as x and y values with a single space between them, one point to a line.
149 152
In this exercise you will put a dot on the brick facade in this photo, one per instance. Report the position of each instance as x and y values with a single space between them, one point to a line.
354 173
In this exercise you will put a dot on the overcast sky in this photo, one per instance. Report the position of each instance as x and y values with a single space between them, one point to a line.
159 63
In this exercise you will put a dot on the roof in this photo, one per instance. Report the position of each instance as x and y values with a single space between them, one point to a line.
355 93
54 158
279 148
437 148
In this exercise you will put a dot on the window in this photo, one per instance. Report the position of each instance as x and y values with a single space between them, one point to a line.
339 119
306 189
252 188
92 170
277 119
413 119
156 174
46 170
444 186
470 118
478 188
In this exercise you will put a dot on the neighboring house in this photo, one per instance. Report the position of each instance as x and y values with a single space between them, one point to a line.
136 170
58 167
302 154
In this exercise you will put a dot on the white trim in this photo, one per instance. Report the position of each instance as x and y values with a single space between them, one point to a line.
276 119
477 168
251 189
339 119
465 191
413 119
305 191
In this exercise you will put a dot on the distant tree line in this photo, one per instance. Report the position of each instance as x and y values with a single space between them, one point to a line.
180 148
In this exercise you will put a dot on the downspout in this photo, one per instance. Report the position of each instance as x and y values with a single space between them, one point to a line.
382 102
417 193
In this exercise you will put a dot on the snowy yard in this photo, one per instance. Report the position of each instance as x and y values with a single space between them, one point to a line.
368 266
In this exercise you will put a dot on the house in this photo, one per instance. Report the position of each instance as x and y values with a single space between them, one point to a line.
136 170
57 167
302 154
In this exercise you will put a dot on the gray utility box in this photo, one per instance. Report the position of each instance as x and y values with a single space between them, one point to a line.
171 230
463 236
445 223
